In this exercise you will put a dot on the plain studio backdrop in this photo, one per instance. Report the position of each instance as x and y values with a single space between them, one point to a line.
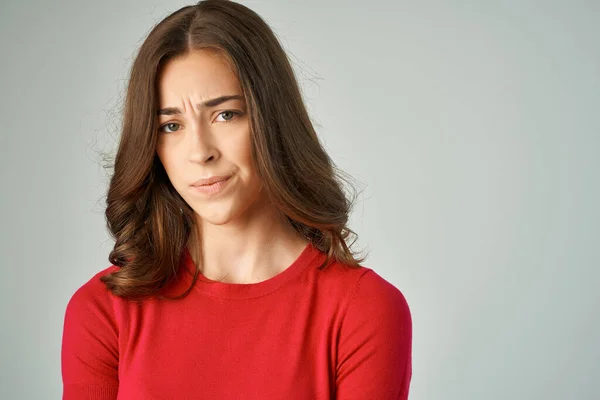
472 128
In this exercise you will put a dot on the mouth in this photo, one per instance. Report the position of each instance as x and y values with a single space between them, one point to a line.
214 186
211 180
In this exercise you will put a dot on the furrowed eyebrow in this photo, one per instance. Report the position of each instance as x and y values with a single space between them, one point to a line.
206 104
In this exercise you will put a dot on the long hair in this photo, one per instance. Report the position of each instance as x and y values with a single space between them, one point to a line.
149 220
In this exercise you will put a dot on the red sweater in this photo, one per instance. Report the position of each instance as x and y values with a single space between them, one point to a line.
307 334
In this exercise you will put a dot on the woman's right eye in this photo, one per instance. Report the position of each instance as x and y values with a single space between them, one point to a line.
170 125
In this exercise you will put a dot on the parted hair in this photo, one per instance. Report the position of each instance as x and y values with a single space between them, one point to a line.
149 220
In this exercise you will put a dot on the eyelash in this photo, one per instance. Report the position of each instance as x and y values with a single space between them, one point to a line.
235 115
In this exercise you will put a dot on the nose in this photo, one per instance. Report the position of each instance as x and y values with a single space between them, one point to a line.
203 147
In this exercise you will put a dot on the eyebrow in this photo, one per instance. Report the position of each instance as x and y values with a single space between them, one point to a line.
205 104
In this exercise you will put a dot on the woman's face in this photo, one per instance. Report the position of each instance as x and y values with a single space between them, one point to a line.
202 134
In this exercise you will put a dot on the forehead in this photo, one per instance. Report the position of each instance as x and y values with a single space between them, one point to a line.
198 75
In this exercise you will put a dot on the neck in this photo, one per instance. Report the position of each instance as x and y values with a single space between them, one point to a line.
248 250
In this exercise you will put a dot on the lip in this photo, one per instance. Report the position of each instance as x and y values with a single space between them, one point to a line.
210 181
211 188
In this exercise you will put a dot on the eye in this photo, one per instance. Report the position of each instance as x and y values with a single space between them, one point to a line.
169 124
228 115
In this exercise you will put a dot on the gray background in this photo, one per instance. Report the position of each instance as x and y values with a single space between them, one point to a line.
472 127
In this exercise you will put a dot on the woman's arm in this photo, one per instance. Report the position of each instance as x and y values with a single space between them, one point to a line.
89 353
375 345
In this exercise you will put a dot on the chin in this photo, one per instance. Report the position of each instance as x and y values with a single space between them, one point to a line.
215 218
218 214
217 221
224 211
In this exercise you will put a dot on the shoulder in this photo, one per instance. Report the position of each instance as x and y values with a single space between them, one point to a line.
373 295
373 286
92 294
90 315
94 287
364 288
366 298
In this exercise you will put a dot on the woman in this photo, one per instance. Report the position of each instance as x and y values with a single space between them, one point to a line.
231 277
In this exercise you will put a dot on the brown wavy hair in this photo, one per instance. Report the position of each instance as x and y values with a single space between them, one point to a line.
149 220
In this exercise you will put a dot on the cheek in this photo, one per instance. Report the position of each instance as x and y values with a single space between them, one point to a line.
254 181
247 155
170 167
247 145
240 151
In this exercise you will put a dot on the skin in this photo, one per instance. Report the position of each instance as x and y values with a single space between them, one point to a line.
244 238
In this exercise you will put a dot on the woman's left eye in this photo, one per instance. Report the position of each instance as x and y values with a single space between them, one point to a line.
228 115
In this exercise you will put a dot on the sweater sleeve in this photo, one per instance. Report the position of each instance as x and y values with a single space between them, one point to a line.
375 343
89 353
